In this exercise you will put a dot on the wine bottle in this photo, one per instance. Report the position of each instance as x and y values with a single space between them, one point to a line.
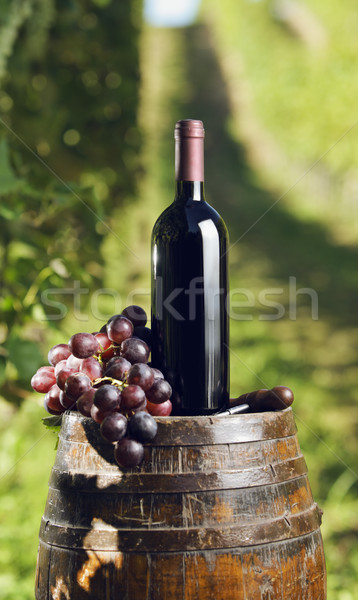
189 286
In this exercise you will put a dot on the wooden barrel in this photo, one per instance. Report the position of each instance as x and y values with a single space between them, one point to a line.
221 509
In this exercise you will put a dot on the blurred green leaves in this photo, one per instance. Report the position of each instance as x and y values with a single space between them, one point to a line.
9 182
69 140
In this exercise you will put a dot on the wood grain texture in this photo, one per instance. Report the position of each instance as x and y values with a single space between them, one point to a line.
221 509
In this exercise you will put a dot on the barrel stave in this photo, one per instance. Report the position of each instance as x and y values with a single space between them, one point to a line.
292 569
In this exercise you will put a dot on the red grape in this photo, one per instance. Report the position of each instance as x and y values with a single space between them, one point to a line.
66 402
85 402
76 385
74 362
144 334
143 427
83 345
52 399
60 365
157 374
57 353
51 410
136 314
63 375
160 410
107 397
113 317
114 427
47 368
98 414
140 408
118 368
91 368
106 352
119 329
159 392
132 397
135 350
128 453
43 380
142 375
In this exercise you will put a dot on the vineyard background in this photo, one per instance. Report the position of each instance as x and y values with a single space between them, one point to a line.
89 95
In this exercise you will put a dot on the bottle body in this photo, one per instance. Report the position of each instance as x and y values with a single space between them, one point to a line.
189 294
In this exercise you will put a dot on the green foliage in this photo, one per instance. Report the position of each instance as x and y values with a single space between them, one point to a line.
53 423
18 13
290 69
68 154
26 456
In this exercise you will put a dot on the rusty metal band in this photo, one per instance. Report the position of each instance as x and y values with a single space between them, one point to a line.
146 483
181 539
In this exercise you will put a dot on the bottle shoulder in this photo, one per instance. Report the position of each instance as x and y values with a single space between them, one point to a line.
186 218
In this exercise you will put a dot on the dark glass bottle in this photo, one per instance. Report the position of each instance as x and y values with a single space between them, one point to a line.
189 286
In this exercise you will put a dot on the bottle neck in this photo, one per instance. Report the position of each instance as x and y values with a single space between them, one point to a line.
189 190
189 158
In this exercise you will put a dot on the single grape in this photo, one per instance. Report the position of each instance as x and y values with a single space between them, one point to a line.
117 359
52 399
117 368
159 392
57 353
50 410
74 362
114 427
60 365
129 412
157 374
113 317
76 385
85 402
48 368
143 427
83 345
135 350
144 334
107 397
103 340
43 380
136 314
66 402
63 375
142 375
140 408
132 397
106 351
160 410
98 414
91 367
128 453
119 329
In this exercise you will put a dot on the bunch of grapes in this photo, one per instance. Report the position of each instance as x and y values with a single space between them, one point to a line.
106 376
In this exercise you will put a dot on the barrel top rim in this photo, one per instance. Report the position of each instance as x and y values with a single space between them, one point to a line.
274 414
202 430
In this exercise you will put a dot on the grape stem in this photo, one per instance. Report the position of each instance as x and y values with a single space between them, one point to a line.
117 382
99 357
102 351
